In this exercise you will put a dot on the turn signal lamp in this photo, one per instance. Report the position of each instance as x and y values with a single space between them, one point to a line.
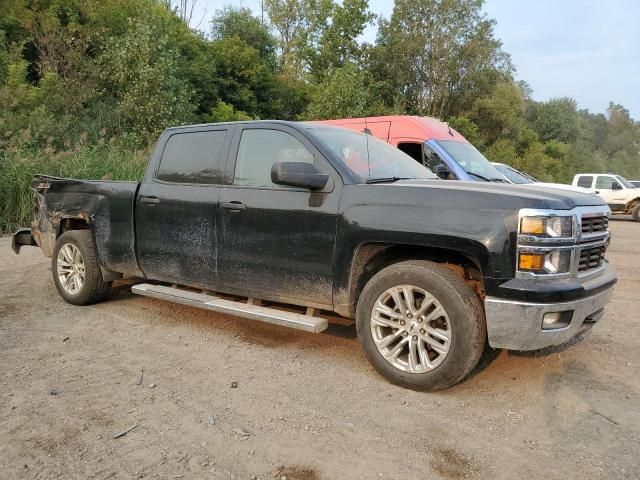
531 261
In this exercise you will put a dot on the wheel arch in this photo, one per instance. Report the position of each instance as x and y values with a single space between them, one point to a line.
80 222
632 203
372 257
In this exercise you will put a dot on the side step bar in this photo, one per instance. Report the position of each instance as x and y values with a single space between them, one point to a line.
307 323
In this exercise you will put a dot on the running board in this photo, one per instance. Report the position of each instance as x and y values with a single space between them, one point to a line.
308 323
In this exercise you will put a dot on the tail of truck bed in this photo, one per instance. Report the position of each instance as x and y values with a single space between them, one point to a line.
104 207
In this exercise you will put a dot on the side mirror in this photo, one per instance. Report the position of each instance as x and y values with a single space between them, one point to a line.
442 171
298 174
616 186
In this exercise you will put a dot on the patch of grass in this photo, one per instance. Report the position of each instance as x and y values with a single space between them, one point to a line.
18 166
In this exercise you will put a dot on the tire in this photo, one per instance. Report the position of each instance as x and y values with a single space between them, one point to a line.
635 212
463 322
91 288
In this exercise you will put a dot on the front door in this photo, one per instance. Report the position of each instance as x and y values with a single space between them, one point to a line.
276 242
176 208
611 191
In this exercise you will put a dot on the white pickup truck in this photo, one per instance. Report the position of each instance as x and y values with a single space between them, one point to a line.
621 195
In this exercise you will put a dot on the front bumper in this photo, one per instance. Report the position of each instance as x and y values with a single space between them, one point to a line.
517 325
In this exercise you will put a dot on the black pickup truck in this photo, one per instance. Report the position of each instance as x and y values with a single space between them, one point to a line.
296 224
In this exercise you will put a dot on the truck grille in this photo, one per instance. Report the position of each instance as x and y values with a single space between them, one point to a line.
591 258
595 224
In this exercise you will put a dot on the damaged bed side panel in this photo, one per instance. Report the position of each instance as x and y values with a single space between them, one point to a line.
104 207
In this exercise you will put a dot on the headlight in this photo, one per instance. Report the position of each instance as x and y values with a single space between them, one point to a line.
555 261
552 227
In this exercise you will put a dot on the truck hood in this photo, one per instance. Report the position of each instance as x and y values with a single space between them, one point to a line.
515 196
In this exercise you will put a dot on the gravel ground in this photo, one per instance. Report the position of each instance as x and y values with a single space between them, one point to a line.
211 396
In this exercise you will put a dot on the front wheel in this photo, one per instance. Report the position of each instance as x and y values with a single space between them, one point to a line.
421 326
75 268
635 212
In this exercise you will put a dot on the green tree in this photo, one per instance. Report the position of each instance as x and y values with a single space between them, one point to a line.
294 21
437 54
317 36
337 38
537 163
240 23
468 129
223 112
500 114
139 70
556 119
4 59
344 95
502 151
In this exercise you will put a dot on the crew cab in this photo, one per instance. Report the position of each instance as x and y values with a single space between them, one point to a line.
622 196
297 224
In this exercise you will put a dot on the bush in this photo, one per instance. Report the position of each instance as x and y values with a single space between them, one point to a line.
19 165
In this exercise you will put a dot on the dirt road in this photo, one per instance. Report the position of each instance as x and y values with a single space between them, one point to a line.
227 398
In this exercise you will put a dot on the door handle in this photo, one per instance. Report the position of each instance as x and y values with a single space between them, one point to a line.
234 206
150 200
597 192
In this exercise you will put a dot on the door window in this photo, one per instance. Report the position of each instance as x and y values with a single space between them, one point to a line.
585 181
259 149
607 183
414 150
193 157
432 159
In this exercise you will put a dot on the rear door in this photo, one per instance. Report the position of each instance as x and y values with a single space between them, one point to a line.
176 207
276 242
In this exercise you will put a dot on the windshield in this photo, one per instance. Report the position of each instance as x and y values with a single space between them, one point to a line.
473 162
368 158
625 182
513 175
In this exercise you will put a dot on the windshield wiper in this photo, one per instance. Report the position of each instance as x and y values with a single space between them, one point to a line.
386 179
485 178
479 176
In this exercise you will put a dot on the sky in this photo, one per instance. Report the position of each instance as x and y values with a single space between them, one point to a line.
585 49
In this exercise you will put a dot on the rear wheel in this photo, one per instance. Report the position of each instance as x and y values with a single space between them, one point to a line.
635 212
75 268
421 326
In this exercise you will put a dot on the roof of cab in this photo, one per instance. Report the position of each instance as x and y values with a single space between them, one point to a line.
404 127
239 122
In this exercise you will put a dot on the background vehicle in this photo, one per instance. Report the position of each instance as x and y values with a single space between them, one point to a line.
622 196
429 141
328 221
635 183
516 176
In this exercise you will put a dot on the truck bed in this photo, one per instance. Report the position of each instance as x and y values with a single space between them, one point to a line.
106 206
